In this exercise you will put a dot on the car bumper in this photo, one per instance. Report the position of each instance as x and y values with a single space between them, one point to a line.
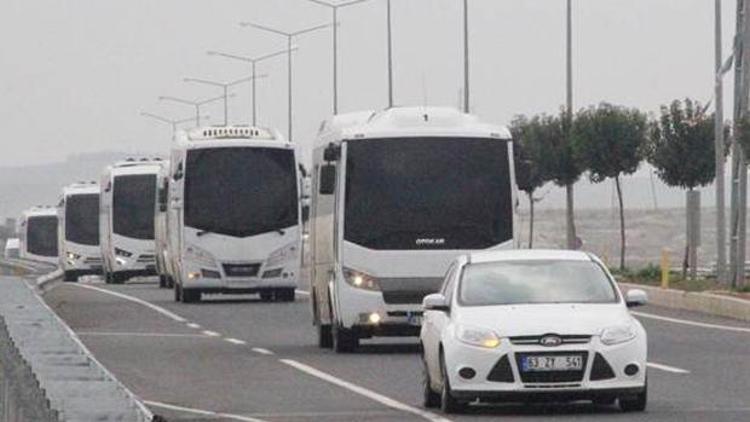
587 383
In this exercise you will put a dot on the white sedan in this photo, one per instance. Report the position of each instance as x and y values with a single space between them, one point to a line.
532 325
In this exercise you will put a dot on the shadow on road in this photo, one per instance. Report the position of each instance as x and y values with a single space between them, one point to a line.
546 409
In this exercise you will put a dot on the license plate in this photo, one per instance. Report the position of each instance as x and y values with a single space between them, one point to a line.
552 363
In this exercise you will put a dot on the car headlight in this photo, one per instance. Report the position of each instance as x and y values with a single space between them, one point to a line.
477 336
617 334
123 252
360 280
283 254
73 256
199 255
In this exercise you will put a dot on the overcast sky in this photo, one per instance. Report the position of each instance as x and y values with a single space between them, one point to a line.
74 74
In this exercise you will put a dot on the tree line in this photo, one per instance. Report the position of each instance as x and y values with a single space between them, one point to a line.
610 141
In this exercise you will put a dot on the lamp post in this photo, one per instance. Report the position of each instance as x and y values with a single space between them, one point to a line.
334 22
225 86
289 38
466 56
171 122
253 61
195 103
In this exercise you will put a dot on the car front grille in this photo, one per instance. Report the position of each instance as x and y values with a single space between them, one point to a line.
566 339
551 376
403 297
92 261
241 270
147 258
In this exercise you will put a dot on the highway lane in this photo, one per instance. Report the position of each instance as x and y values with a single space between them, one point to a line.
214 357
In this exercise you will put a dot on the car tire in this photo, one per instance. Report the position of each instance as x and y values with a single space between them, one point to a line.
637 403
190 295
448 404
325 338
70 276
430 399
162 281
344 341
177 293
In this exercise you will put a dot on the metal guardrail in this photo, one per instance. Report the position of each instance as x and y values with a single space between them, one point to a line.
48 368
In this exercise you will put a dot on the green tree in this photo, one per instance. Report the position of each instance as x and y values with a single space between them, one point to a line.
609 141
682 149
530 137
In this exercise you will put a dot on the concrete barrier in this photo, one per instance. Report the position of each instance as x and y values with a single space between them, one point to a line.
708 303
58 375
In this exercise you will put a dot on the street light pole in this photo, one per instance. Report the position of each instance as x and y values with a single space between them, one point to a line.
289 38
466 57
721 247
390 56
334 13
569 215
225 87
253 62
170 122
194 103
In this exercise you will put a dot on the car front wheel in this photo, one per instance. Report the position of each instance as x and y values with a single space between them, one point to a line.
448 403
431 399
637 403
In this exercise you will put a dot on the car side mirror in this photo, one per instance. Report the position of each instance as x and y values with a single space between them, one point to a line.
162 207
435 302
636 297
327 179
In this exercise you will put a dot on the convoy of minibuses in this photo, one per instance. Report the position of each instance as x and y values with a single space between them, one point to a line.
404 215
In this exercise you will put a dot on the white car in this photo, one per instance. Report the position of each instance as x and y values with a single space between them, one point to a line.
532 325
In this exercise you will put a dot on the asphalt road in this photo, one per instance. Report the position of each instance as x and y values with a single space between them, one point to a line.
235 358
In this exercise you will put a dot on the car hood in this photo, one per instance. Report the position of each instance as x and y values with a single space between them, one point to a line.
529 320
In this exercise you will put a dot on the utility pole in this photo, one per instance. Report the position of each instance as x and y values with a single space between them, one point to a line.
569 216
466 57
721 227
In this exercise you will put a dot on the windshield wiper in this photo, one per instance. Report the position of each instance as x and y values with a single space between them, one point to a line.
202 233
281 231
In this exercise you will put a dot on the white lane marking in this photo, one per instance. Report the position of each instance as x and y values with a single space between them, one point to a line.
156 308
693 323
387 401
302 292
193 325
667 368
262 351
202 412
115 333
211 333
236 341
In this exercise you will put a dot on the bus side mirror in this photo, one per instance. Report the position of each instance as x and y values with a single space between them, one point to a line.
332 152
327 179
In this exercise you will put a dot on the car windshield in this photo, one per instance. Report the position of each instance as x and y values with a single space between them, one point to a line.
41 236
82 219
134 206
535 281
428 193
241 192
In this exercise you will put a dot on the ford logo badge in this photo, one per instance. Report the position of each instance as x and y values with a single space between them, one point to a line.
550 340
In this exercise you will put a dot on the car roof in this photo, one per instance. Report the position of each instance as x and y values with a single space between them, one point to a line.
528 255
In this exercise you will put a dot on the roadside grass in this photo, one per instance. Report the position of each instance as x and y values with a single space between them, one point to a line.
651 276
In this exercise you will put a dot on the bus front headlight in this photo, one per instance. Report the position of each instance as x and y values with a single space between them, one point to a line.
361 280
199 255
283 254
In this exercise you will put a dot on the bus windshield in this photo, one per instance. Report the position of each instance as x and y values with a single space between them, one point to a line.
428 193
241 191
41 236
134 205
82 219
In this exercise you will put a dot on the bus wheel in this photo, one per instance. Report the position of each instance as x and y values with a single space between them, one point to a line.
190 295
285 295
344 341
70 276
325 338
162 281
266 295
